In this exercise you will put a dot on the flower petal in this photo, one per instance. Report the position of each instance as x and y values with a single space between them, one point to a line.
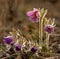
29 13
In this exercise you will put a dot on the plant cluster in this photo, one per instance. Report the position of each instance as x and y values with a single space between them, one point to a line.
17 45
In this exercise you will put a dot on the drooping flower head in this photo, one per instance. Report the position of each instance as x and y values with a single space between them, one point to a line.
18 47
34 15
49 28
8 39
34 49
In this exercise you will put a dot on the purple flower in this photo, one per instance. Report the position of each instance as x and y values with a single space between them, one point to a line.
18 47
33 49
49 28
34 15
8 39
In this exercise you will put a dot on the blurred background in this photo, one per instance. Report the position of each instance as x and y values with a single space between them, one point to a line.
13 15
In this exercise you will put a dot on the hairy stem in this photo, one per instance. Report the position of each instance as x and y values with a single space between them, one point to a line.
47 40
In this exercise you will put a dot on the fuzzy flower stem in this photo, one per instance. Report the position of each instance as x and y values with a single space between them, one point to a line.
41 26
47 40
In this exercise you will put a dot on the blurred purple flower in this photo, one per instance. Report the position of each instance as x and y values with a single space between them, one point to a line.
34 15
8 39
18 47
33 49
49 28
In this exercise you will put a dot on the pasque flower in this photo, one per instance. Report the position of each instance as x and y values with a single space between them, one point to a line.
34 49
8 39
34 15
49 28
18 47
